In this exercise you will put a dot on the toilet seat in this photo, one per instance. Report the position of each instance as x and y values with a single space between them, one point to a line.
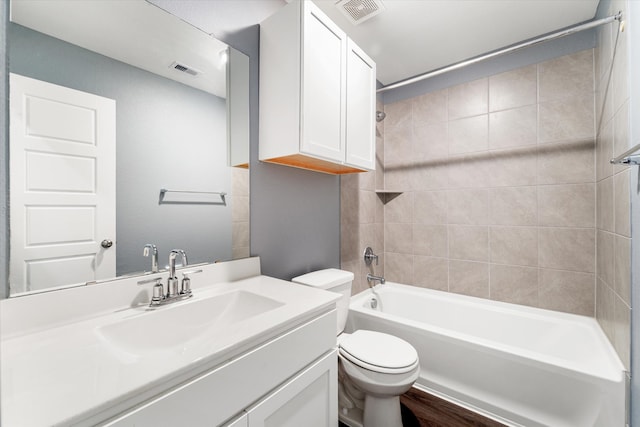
378 352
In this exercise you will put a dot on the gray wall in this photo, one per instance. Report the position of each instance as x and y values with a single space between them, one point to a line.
295 214
168 135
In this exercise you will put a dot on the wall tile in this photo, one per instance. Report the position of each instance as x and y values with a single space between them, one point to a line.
605 308
605 264
570 205
469 99
567 248
566 163
367 201
604 205
567 291
567 119
622 331
401 178
512 167
398 238
430 207
432 273
430 144
349 241
469 207
513 88
240 208
469 242
469 170
430 108
622 268
240 234
398 267
604 152
398 113
513 206
469 278
240 252
349 205
517 285
400 209
620 72
566 76
513 128
429 175
514 245
430 240
622 203
239 182
398 145
469 135
621 140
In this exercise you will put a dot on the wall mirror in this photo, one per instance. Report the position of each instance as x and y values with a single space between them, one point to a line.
112 102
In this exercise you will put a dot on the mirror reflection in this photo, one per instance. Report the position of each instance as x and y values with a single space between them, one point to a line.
112 102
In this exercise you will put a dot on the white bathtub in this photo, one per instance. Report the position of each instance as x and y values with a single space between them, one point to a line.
518 365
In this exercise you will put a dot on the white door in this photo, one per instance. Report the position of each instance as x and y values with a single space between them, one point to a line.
62 187
361 109
323 96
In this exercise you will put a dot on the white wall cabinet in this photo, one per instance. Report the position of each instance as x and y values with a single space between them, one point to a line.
317 94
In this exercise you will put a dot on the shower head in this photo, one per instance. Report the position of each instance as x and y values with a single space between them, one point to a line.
380 115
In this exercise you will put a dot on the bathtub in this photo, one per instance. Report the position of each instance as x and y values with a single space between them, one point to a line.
518 365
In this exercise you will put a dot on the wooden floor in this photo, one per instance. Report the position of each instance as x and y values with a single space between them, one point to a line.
425 410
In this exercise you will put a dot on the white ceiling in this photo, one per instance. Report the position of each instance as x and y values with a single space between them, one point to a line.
411 36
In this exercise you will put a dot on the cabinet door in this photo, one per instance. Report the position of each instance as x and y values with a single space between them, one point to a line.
309 399
361 108
323 86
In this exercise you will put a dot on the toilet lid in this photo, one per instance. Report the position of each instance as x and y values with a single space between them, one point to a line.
382 352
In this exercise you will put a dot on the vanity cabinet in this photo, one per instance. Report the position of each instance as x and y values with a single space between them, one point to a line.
317 94
288 381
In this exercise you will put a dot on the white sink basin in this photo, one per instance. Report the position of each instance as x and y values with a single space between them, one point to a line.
176 325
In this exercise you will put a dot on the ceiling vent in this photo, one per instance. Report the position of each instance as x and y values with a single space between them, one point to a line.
358 11
184 68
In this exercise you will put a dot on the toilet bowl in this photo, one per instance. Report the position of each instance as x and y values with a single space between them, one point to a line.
374 368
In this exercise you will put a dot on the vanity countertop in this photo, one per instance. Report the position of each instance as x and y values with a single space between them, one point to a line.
69 372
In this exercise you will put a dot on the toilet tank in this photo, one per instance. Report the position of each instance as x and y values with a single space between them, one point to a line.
333 280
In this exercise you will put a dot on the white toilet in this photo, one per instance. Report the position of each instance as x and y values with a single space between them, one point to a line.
374 368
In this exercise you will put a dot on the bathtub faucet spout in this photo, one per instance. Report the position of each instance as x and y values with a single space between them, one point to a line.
372 278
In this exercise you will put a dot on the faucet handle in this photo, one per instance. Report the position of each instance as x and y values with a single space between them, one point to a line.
158 289
369 256
186 281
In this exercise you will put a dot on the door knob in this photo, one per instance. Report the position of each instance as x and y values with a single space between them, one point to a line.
106 243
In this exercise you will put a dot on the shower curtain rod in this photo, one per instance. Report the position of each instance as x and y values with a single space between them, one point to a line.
513 48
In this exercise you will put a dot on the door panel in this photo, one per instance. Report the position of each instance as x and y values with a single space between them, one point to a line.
361 108
62 190
323 74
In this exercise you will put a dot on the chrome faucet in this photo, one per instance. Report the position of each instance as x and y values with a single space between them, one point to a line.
150 249
372 278
172 282
172 294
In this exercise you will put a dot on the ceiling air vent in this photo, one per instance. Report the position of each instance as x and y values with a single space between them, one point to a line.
358 11
184 68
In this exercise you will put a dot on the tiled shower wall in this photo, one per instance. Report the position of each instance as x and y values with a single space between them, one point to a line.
239 213
495 183
613 266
